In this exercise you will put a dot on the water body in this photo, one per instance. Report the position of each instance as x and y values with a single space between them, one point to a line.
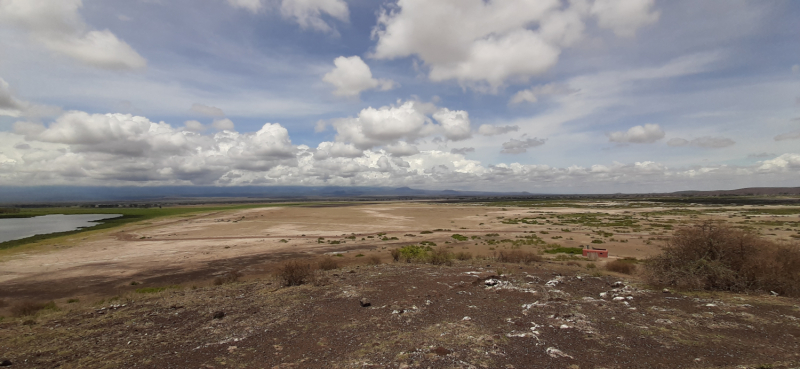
18 228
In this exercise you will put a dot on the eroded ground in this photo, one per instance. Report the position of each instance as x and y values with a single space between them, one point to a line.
420 316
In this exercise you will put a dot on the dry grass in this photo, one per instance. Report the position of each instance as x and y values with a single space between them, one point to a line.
295 273
463 255
227 278
395 254
374 260
618 266
29 308
441 256
715 256
328 263
517 256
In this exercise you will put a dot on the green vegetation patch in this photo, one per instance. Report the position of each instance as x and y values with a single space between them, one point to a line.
459 237
565 250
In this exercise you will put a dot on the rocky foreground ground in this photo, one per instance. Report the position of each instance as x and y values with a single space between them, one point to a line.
415 316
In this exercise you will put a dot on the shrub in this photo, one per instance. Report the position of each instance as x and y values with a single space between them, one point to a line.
72 301
718 257
227 278
619 266
395 254
414 253
427 243
518 256
597 241
565 250
459 237
29 308
374 260
463 256
591 266
573 263
294 272
441 256
328 263
426 232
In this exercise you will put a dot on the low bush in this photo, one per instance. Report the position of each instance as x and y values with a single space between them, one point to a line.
328 263
29 308
294 272
517 256
374 260
565 250
227 278
441 256
395 254
715 256
620 266
414 253
463 255
459 237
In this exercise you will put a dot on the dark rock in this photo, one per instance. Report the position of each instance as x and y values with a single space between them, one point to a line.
5 363
364 302
219 315
441 351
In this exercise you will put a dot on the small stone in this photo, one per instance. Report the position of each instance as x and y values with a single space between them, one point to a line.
364 302
219 315
619 298
666 290
441 351
467 318
618 284
773 293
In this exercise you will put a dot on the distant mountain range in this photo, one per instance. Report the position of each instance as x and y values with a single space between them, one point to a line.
79 194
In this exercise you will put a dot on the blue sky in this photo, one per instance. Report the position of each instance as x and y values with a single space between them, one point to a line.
586 96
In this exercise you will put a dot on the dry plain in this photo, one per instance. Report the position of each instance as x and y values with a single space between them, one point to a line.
550 313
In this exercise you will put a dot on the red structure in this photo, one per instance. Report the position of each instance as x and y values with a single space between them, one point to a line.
602 253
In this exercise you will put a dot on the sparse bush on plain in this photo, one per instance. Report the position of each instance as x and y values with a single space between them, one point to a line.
414 253
517 256
29 308
619 266
441 256
227 278
328 263
395 254
463 255
459 237
295 272
715 256
374 260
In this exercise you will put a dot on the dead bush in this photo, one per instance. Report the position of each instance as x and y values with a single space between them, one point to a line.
573 263
29 308
328 263
440 256
517 256
463 255
374 260
317 278
715 256
395 254
227 278
618 266
294 272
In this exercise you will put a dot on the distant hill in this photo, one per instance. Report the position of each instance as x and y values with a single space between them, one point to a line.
181 194
751 191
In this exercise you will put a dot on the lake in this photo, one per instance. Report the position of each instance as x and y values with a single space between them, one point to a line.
18 228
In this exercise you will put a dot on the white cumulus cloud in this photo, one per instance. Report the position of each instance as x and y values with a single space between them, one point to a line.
57 25
648 133
351 76
484 44
532 94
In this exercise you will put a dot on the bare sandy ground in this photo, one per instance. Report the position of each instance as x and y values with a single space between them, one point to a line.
192 248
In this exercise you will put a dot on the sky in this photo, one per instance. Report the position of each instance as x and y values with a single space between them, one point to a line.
543 96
